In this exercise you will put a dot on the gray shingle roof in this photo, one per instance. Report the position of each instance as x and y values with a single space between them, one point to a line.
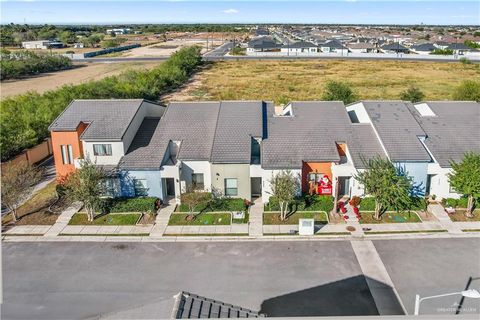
98 113
453 130
363 144
308 135
143 152
300 44
424 47
397 130
238 122
394 47
192 306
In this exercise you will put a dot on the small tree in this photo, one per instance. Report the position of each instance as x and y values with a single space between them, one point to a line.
192 199
389 188
86 185
18 181
465 179
468 90
338 91
412 94
284 187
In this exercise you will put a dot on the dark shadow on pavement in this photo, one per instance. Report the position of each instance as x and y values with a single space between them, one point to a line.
347 297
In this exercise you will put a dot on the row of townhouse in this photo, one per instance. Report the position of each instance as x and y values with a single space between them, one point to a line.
233 148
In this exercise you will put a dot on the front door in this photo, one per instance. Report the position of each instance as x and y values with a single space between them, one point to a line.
344 186
429 184
256 185
170 182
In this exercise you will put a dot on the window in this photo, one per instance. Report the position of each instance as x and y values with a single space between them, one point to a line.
102 149
255 151
315 177
67 154
109 185
140 186
197 181
231 188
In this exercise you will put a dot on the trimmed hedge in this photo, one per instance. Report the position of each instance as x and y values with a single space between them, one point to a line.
142 204
219 204
304 203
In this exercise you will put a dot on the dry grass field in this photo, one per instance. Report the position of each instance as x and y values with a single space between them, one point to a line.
82 73
283 80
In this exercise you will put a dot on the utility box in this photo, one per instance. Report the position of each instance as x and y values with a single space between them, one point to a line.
306 227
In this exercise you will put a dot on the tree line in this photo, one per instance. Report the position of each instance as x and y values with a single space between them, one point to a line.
17 64
24 119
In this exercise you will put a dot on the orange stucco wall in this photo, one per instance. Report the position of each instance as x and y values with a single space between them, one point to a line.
72 138
342 149
316 167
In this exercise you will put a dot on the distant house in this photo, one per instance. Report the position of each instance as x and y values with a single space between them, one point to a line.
459 48
78 45
299 47
441 45
362 47
42 44
118 31
394 48
333 46
263 44
261 32
423 48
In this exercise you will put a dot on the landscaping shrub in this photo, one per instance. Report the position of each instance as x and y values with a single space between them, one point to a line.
455 203
367 204
24 119
22 63
304 203
142 204
218 204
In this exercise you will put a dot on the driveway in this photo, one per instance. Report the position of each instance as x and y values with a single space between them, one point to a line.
433 266
135 280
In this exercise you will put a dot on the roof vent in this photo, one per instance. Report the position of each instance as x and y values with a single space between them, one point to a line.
424 110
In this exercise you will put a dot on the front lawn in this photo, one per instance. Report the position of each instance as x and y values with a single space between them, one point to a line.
390 217
35 211
303 203
459 215
106 219
244 220
204 219
273 218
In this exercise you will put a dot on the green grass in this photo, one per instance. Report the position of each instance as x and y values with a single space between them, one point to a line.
244 220
407 231
471 230
333 234
204 219
273 218
108 219
220 205
390 217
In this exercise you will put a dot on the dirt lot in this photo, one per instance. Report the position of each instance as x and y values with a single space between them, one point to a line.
283 81
82 73
169 47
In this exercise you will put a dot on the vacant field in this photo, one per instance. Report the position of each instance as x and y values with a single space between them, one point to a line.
285 80
82 73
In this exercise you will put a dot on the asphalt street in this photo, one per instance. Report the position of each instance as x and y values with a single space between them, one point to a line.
138 280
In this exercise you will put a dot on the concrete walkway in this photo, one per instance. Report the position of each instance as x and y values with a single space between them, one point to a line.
353 222
439 212
381 286
107 230
63 219
256 219
163 216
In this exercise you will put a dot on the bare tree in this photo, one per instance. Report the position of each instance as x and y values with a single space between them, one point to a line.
18 181
193 198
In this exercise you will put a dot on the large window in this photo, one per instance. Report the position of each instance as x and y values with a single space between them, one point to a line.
67 154
197 181
102 149
315 177
141 188
231 188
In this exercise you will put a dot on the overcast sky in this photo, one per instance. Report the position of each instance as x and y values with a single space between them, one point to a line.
175 11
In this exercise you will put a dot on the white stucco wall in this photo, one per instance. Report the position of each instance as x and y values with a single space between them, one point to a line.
256 170
172 172
439 184
117 152
189 167
267 176
360 111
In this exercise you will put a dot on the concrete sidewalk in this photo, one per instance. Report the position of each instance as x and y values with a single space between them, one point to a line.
233 229
439 212
163 216
381 286
256 219
64 219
